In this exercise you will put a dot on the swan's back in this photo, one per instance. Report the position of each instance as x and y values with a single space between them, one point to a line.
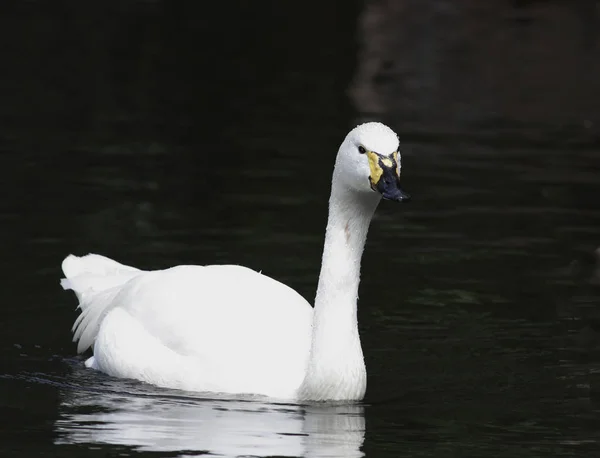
231 308
223 325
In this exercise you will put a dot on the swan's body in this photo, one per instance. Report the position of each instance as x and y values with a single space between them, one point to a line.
229 329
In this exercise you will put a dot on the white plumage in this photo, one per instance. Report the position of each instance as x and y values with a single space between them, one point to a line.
229 329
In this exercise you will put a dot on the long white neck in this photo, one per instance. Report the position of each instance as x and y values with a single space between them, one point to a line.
336 368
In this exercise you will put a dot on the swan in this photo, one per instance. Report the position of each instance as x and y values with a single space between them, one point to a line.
231 330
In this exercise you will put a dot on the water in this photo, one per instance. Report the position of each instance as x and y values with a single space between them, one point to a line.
479 300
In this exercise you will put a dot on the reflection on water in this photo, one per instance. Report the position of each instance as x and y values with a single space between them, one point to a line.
150 420
473 68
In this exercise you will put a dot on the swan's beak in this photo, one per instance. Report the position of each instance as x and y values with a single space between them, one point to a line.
385 176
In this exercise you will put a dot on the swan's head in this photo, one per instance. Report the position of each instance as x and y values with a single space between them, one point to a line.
369 161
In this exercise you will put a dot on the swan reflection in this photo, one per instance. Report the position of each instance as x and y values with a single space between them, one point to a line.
220 427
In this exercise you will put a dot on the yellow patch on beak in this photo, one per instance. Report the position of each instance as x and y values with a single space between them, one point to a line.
397 159
376 170
387 162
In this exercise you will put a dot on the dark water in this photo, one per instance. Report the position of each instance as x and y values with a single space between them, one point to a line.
159 135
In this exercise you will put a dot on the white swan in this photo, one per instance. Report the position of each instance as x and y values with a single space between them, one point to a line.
228 329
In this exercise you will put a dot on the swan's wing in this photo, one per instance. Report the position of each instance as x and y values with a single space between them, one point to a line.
231 322
234 308
228 321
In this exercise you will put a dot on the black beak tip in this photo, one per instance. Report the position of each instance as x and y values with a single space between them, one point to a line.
397 196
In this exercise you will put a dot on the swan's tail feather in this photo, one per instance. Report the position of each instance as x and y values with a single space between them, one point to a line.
96 280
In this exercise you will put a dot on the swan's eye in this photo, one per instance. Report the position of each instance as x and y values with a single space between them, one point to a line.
361 149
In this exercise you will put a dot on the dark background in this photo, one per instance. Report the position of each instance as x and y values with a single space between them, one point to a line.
161 133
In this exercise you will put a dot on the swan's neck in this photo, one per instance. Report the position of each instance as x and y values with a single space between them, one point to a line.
336 369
